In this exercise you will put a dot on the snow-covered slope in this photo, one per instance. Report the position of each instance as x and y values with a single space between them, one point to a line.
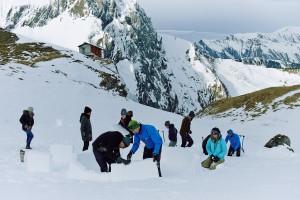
277 49
240 78
156 70
129 40
58 100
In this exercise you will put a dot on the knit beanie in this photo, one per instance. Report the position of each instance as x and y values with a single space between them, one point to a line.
192 114
123 111
167 123
30 109
126 141
133 125
87 110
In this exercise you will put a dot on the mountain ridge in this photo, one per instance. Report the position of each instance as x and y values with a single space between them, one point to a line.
279 49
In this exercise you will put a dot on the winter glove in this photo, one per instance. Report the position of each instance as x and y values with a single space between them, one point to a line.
212 157
126 162
155 157
121 160
215 158
129 155
190 132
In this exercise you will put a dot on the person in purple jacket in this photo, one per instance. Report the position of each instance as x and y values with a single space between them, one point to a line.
235 144
150 136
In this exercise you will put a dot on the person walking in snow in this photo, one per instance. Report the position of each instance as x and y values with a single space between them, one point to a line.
204 142
86 127
150 136
216 149
124 121
235 144
106 149
172 133
185 130
27 122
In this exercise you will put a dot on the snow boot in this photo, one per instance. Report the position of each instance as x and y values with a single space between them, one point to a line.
28 146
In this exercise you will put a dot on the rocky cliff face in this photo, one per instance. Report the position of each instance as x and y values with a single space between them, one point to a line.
125 32
274 50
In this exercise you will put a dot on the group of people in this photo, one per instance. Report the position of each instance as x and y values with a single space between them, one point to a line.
106 147
216 147
185 131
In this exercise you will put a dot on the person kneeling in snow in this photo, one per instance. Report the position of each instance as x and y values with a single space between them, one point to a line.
150 136
124 121
106 149
216 149
235 144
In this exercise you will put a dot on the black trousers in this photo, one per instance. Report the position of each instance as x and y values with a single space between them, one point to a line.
101 160
186 138
148 153
231 151
85 145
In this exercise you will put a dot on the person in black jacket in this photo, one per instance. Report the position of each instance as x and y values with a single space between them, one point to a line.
86 127
27 122
106 149
172 133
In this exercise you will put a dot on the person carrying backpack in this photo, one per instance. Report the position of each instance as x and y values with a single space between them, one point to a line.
27 122
86 128
235 144
172 133
216 149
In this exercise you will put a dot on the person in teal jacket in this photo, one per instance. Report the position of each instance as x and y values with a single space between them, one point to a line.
216 149
150 136
235 144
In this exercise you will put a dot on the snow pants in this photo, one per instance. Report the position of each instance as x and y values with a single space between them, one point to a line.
85 145
148 153
101 160
172 143
186 138
209 163
29 136
231 151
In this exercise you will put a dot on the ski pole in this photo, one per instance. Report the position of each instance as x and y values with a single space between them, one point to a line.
163 136
158 168
202 139
242 142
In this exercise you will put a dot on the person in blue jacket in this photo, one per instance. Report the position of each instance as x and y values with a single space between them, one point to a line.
216 149
150 136
235 144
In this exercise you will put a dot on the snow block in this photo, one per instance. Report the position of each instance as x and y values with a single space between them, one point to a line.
134 171
79 172
61 154
37 161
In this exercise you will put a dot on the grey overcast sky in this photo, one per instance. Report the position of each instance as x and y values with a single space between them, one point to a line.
215 18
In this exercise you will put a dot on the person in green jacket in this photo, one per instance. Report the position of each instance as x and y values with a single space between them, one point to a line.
216 149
